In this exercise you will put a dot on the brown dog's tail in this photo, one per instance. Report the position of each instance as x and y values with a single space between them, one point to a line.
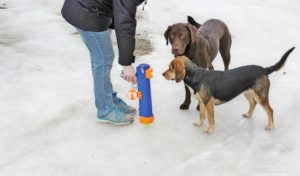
193 22
281 62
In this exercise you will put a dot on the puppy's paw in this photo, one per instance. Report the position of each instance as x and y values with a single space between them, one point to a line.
269 127
184 106
246 115
198 124
208 130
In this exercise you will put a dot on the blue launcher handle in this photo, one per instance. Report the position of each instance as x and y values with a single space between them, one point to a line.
144 74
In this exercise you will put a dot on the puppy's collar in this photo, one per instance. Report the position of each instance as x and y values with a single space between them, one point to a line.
191 71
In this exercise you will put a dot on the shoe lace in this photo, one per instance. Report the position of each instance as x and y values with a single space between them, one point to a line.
119 112
121 103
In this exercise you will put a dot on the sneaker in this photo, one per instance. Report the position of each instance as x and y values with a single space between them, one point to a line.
124 107
116 117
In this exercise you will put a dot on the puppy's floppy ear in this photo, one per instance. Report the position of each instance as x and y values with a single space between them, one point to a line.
167 35
193 32
179 68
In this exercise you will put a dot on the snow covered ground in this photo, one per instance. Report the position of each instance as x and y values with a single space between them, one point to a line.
47 113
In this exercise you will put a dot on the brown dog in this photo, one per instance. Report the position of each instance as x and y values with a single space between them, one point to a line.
200 45
216 87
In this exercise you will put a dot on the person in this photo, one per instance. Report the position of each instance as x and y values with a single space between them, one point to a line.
93 19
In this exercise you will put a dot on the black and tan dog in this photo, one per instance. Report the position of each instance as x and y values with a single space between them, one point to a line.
217 87
200 43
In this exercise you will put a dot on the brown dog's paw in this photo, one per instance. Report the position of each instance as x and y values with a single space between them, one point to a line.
209 130
184 106
246 115
269 127
198 124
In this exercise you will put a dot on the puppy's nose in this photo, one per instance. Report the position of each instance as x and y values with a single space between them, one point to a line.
163 74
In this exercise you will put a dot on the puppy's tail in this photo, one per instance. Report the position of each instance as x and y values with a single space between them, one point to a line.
281 62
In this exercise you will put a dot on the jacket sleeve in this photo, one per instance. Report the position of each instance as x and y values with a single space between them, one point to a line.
125 27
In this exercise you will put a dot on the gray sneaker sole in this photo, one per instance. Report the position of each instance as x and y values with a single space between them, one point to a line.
133 114
115 123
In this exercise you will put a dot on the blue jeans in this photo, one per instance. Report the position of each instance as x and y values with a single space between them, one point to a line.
102 55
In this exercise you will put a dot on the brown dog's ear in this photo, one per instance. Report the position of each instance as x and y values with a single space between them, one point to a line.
167 35
193 32
179 68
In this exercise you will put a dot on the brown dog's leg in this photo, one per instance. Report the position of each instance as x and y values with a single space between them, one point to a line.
225 45
187 100
269 111
261 89
211 118
201 118
250 97
266 106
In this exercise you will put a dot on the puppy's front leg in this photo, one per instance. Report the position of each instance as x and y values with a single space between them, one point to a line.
201 118
210 112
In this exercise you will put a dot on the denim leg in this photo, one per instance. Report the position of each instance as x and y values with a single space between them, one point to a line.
102 55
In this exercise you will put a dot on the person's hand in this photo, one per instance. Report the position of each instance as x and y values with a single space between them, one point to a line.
129 74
